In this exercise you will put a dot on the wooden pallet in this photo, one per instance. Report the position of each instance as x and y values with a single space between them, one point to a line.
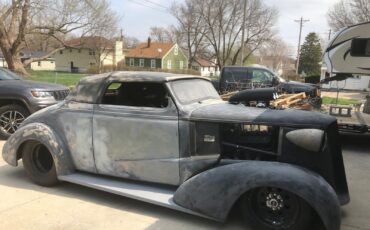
288 100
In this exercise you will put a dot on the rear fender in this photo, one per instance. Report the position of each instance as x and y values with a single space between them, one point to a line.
214 192
45 135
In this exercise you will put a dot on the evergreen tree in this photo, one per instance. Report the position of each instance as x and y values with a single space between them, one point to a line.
311 55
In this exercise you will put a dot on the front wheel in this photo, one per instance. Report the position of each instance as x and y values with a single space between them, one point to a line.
39 164
270 208
11 117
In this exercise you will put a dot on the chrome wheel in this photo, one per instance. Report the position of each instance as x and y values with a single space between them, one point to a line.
10 121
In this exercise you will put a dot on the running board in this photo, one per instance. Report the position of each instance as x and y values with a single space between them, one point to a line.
162 196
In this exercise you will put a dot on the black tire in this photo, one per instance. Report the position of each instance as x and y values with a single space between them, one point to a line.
39 164
11 116
270 208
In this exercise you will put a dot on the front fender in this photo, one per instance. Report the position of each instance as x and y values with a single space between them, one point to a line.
45 135
214 192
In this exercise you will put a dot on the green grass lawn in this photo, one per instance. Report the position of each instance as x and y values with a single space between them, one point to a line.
341 101
63 78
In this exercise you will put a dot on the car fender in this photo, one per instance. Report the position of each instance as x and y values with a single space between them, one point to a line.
45 135
215 191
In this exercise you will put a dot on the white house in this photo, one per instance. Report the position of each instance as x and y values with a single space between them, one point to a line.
205 67
2 60
47 64
358 82
89 52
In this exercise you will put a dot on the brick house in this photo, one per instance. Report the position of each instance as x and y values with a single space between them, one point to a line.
157 55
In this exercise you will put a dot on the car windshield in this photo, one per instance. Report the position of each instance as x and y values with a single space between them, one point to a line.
8 75
194 90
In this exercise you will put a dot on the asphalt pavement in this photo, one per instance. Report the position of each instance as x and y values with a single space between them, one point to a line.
24 205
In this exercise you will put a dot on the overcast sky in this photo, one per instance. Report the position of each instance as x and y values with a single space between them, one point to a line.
139 15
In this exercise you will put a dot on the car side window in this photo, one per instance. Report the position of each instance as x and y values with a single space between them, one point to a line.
261 76
137 94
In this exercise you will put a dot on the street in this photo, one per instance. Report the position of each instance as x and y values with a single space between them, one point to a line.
25 205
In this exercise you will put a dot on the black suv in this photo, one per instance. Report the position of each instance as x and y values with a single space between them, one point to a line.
19 98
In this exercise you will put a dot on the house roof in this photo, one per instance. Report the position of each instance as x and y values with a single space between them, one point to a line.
204 63
155 50
91 42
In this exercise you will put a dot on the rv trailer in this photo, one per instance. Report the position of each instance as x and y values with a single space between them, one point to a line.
346 55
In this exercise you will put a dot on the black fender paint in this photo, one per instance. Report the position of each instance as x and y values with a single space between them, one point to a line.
44 134
215 191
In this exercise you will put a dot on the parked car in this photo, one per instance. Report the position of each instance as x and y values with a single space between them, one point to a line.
234 78
19 98
170 140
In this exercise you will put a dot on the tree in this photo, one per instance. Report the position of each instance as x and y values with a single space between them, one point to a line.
224 18
162 34
22 21
277 51
348 12
310 58
191 30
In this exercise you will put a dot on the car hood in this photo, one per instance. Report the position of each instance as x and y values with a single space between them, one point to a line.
27 84
226 112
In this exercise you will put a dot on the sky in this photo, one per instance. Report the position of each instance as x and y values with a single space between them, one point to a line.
137 16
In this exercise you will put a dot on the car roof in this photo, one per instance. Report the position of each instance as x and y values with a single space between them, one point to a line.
89 89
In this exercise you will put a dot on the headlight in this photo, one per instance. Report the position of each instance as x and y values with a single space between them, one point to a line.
41 94
308 139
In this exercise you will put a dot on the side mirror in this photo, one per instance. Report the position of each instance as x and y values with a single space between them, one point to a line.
360 47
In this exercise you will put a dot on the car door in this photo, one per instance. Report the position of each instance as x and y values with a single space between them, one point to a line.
136 134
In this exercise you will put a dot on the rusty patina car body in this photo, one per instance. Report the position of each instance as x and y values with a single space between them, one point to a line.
118 131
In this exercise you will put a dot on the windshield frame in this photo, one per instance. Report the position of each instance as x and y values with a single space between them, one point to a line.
177 97
9 74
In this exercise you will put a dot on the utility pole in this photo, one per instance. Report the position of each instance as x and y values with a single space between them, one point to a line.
301 22
329 34
243 31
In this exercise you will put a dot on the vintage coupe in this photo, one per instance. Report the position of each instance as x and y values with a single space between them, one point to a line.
170 140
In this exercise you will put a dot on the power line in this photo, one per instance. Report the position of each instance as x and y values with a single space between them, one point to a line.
301 22
157 4
142 4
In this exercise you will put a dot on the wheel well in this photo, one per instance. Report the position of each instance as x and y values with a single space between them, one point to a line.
13 102
236 210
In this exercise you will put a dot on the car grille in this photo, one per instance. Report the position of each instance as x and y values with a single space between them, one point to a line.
60 95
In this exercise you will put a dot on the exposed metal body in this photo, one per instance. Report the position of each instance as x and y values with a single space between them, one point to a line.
187 147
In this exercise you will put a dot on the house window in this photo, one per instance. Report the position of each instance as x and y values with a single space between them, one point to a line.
70 50
169 64
132 62
52 62
39 63
136 94
79 50
153 63
181 64
141 63
61 52
176 51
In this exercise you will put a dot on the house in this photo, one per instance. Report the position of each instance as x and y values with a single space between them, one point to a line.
47 64
2 60
157 55
205 67
82 54
357 82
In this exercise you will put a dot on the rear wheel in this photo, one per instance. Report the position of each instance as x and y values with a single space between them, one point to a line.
39 164
271 208
11 117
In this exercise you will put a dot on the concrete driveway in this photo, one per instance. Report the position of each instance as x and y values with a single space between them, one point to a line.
24 205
